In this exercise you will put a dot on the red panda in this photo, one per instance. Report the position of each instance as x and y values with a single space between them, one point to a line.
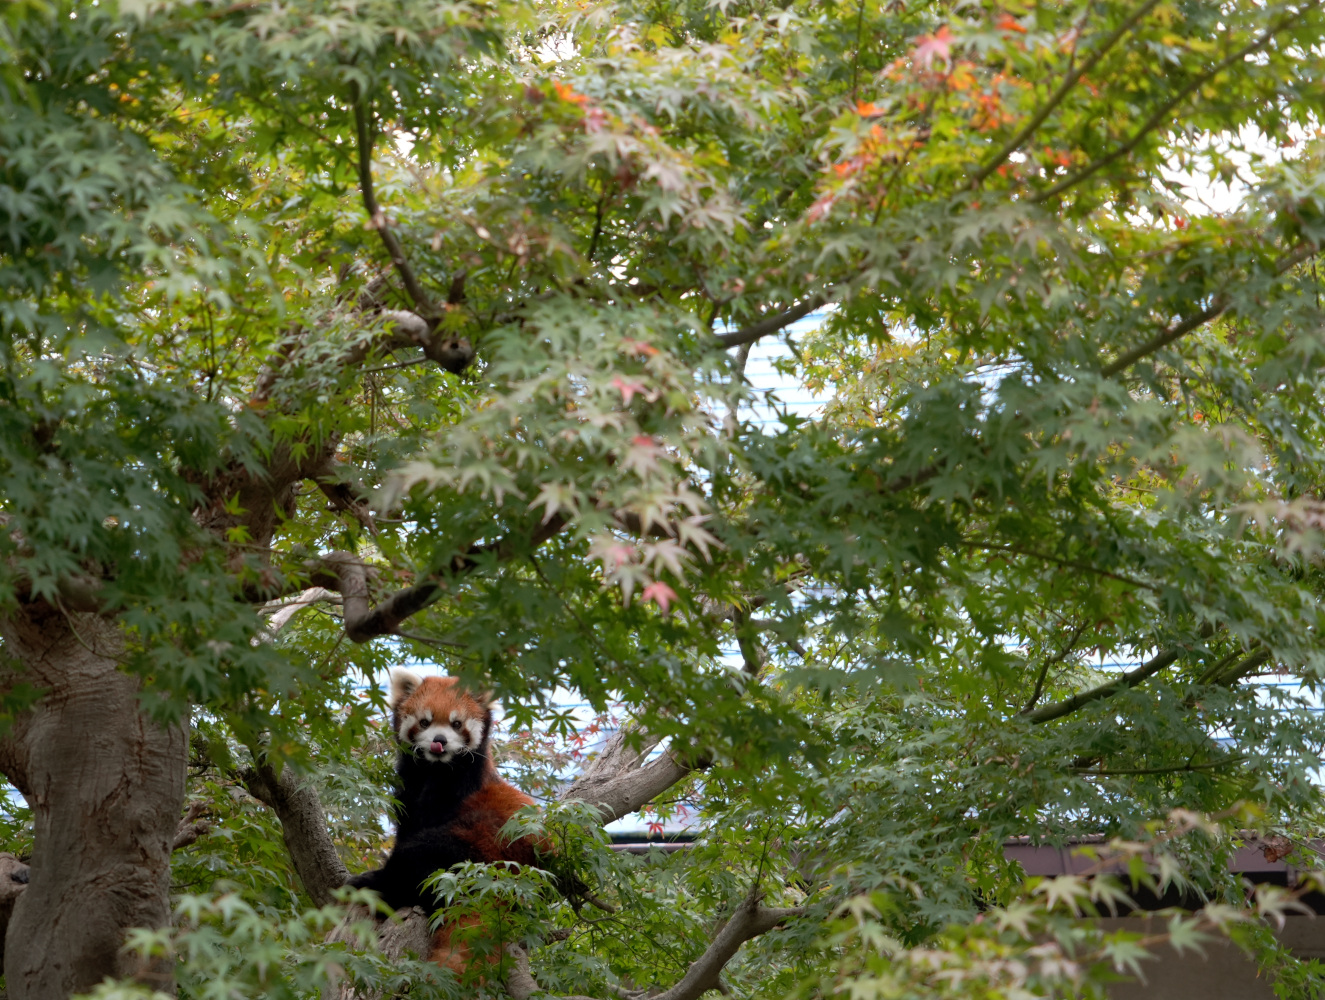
452 805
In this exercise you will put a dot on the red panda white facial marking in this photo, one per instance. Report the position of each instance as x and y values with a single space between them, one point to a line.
434 718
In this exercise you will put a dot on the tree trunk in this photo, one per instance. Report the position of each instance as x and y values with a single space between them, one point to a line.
106 786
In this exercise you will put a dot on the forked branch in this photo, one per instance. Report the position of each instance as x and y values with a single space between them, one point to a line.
1126 681
620 780
1161 115
349 575
1064 88
749 921
192 826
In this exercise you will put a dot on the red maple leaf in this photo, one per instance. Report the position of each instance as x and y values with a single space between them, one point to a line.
628 389
820 208
931 47
660 592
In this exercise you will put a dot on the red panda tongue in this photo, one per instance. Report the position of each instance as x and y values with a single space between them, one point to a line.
438 746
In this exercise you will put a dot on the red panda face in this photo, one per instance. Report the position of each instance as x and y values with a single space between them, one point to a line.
435 719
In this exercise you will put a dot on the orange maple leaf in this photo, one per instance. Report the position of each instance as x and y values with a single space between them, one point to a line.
638 347
567 93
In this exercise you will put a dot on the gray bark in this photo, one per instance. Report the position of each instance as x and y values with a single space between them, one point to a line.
408 934
749 921
304 825
13 880
106 785
618 781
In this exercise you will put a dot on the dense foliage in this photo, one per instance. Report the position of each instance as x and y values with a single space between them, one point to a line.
1072 355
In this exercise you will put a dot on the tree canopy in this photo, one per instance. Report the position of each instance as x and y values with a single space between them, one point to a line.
432 318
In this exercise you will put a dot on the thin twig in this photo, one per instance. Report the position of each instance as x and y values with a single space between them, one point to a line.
397 364
1044 670
597 226
1057 97
855 60
1163 112
1122 771
422 301
430 640
1066 563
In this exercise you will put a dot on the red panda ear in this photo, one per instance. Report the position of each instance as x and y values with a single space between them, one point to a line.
403 684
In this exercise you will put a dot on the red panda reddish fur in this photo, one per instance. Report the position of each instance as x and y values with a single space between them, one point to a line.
452 805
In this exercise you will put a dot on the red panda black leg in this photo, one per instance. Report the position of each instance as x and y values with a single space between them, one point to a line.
415 858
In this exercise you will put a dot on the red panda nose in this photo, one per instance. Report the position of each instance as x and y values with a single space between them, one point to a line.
438 744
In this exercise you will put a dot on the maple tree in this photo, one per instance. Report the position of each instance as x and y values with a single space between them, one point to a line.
345 331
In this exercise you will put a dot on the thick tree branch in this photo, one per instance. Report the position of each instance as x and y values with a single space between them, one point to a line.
304 826
192 826
772 324
346 573
364 620
1220 304
450 353
283 611
619 781
407 934
13 881
520 983
749 921
1124 682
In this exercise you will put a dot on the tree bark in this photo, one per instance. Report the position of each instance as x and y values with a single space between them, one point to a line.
13 881
619 781
406 935
106 786
304 825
